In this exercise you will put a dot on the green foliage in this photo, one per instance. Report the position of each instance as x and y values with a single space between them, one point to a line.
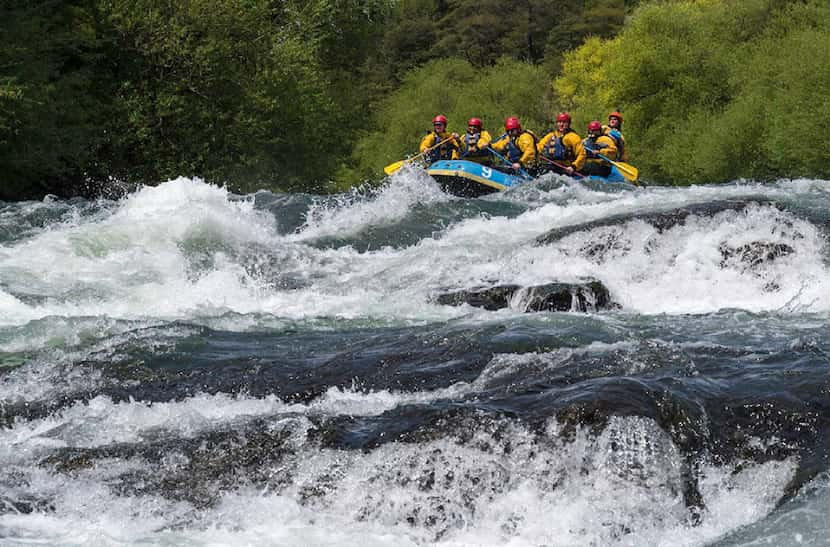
283 94
601 18
408 39
785 88
346 35
50 99
255 93
212 89
483 31
240 91
458 90
710 90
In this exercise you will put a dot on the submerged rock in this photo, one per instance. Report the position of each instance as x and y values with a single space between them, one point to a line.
753 254
753 258
587 296
24 506
662 221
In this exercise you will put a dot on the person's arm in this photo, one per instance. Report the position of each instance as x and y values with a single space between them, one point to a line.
455 141
427 142
624 156
607 147
484 140
543 142
456 145
500 144
525 142
575 144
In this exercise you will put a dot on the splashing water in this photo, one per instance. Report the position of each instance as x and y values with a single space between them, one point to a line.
190 367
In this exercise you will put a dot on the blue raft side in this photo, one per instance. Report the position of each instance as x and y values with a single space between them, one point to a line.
470 170
468 178
615 176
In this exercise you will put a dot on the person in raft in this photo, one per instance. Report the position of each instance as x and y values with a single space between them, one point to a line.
517 144
561 150
474 144
447 143
614 130
595 144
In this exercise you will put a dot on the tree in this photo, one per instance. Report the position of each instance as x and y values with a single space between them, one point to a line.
695 81
239 91
52 96
457 89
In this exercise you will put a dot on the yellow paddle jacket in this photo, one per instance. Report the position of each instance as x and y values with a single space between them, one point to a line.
564 149
619 140
604 145
480 141
522 149
447 151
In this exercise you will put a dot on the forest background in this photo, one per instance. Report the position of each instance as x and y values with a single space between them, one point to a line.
97 96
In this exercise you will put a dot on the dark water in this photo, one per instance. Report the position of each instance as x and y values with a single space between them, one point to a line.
189 367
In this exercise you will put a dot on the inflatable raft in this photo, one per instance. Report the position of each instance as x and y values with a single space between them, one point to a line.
470 179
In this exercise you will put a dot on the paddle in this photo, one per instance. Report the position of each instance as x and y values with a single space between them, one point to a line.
576 174
522 172
628 171
391 168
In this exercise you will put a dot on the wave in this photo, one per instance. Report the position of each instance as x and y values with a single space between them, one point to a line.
186 250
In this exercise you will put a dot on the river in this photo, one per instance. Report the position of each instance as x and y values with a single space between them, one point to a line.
186 366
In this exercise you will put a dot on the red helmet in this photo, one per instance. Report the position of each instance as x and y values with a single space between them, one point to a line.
615 114
563 117
474 122
594 126
512 123
439 119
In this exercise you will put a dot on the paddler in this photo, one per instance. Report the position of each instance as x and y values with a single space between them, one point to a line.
561 150
595 144
517 144
474 143
614 130
447 143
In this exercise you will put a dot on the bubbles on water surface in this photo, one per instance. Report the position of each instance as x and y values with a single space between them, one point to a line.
466 478
82 294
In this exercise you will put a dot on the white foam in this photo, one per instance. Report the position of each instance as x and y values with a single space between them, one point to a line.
350 214
189 250
800 521
101 421
622 487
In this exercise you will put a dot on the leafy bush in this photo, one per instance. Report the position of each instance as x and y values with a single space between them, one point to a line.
251 92
711 91
455 88
214 89
51 103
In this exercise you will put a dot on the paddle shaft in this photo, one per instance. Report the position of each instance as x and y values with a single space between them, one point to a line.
433 147
397 165
564 168
508 162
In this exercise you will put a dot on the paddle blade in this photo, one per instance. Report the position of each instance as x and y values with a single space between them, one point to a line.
628 171
391 168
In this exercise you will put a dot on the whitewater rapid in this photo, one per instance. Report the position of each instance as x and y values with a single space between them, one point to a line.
186 249
187 366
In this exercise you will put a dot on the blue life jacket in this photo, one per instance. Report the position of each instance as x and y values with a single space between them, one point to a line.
468 141
618 140
443 152
556 149
513 152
